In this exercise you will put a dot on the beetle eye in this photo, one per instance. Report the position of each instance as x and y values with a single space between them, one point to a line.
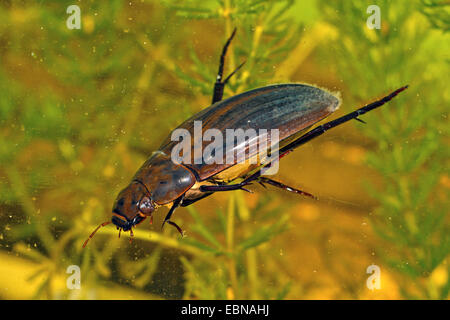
145 206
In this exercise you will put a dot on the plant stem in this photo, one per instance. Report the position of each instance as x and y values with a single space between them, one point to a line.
160 239
250 254
231 259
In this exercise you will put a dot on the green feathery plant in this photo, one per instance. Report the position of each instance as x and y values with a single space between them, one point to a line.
411 136
68 146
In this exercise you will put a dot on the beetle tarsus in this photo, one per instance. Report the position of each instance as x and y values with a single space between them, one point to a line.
362 121
182 233
286 187
234 71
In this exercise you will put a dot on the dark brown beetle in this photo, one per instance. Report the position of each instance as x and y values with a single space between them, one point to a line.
290 108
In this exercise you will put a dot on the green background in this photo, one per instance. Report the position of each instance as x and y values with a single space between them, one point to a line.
81 110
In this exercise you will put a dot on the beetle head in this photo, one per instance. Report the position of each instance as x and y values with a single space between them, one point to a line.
133 204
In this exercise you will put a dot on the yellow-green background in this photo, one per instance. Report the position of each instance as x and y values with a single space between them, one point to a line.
80 110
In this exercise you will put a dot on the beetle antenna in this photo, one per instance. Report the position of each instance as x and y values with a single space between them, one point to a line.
93 233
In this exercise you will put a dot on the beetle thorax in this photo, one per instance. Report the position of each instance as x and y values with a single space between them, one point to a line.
165 180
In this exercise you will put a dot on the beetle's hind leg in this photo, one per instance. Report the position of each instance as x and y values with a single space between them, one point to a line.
280 185
317 131
219 85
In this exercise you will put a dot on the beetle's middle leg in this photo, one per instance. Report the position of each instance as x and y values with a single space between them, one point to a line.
219 85
225 187
256 178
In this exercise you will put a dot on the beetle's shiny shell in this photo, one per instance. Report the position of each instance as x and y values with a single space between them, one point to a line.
290 108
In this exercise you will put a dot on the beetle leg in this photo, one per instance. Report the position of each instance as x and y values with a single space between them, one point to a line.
177 227
255 177
284 187
225 187
219 85
188 202
317 131
175 205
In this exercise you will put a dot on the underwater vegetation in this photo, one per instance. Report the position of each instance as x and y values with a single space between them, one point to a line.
81 110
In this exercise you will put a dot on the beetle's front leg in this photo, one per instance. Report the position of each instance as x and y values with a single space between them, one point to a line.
219 85
175 205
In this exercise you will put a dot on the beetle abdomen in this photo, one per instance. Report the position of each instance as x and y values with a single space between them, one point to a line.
288 108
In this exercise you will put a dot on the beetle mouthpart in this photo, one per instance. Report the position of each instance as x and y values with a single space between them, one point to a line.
131 235
119 221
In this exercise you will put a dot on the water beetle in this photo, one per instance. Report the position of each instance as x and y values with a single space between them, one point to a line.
290 108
